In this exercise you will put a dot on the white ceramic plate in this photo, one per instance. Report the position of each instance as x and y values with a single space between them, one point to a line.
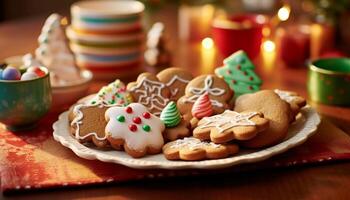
298 133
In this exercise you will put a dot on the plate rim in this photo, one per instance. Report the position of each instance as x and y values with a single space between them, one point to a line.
139 163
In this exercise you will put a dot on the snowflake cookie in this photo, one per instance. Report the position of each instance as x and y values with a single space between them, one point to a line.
135 129
230 125
194 149
150 92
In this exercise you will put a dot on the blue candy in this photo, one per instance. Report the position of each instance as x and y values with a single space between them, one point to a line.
11 73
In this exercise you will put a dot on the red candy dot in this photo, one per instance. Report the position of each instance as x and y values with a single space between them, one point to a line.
133 127
128 109
234 81
136 120
251 78
245 73
146 115
250 88
228 72
239 67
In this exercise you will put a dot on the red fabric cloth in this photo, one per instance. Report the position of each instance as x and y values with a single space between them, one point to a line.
33 160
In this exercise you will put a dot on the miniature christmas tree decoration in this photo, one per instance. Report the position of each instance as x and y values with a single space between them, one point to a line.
238 72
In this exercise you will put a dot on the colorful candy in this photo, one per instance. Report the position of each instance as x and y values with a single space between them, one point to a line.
36 70
29 76
170 115
11 73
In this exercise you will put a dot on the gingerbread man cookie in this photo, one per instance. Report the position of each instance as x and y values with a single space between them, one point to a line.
195 149
113 94
176 127
135 129
88 124
295 101
230 125
150 92
276 110
219 93
176 79
201 108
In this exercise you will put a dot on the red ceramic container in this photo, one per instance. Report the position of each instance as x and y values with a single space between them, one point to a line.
239 32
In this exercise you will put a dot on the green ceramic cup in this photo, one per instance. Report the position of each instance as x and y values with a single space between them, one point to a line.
23 103
329 81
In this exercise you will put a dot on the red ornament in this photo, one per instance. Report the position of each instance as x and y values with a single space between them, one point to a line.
136 120
128 109
146 115
132 127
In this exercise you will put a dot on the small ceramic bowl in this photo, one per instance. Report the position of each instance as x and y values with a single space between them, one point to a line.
329 81
62 96
23 103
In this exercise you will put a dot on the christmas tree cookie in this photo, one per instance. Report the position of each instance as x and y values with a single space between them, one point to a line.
176 126
238 72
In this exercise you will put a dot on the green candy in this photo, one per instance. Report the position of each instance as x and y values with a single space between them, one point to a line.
121 118
146 128
170 115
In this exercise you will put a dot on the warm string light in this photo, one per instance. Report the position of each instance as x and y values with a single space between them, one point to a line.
269 46
64 21
207 43
283 13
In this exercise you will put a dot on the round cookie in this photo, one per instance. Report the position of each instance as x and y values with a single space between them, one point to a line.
219 93
150 92
229 126
195 149
88 124
176 79
276 110
134 129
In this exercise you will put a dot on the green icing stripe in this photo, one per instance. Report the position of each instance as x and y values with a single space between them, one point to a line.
238 75
109 20
170 115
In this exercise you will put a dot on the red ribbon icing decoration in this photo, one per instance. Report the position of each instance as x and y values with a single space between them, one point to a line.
202 107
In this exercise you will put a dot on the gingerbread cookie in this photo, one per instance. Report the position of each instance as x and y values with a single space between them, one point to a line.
230 125
176 79
113 94
276 110
176 127
219 93
150 92
201 108
238 72
195 149
88 124
134 129
295 101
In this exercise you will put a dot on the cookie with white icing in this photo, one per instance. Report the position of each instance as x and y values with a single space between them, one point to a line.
176 126
88 123
219 93
113 94
230 125
134 129
194 149
176 79
295 101
150 92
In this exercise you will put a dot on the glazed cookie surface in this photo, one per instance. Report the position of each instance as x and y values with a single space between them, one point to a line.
217 89
176 79
150 92
230 125
194 149
88 124
134 129
276 110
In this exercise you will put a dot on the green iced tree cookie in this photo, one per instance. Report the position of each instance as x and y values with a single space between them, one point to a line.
238 72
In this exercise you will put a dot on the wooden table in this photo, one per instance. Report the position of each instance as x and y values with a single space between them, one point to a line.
329 181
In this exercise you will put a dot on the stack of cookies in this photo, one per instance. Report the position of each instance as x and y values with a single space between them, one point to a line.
185 117
107 37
